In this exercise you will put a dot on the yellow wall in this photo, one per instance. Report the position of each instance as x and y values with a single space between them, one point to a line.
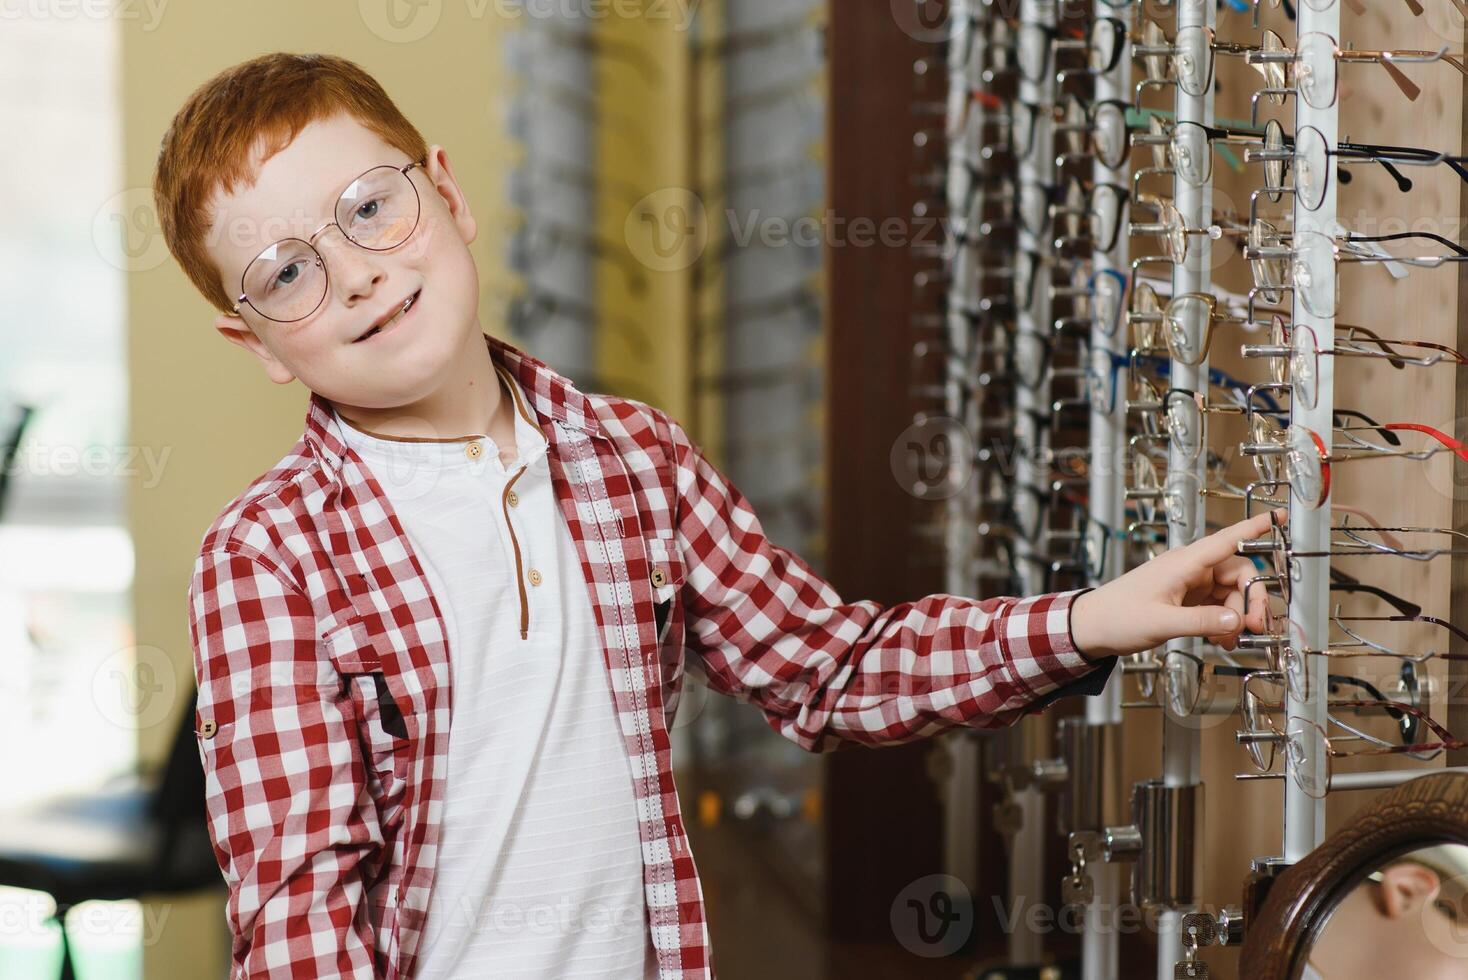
202 399
643 95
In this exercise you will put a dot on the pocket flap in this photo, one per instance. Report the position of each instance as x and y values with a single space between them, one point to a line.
351 649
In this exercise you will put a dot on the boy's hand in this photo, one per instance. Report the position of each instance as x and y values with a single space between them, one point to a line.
1192 591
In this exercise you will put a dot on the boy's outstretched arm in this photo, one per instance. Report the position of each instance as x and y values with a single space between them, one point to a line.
763 627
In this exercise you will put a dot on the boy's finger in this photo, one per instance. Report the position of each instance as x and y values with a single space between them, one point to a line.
1234 572
1224 543
1204 621
1235 601
1227 641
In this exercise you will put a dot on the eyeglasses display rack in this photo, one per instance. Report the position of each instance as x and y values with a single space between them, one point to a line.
1175 228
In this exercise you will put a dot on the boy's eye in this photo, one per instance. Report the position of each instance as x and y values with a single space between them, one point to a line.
368 209
288 274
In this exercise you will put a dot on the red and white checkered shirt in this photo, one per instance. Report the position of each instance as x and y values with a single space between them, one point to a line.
324 675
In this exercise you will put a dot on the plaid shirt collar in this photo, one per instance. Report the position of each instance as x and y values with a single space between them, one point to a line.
550 394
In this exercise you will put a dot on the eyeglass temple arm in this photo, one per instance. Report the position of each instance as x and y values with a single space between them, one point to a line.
1392 358
1390 162
1389 59
1458 448
1441 352
1396 359
1404 183
1343 581
1448 739
1380 647
1402 235
1457 631
1387 432
1405 56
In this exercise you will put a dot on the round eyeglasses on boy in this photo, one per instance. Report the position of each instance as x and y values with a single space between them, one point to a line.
378 211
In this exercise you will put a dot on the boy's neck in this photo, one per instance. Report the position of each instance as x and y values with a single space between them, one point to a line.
473 400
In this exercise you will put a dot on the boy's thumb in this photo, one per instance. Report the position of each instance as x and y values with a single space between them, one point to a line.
1204 621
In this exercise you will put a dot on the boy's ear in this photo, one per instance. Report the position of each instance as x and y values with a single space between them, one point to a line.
441 173
236 331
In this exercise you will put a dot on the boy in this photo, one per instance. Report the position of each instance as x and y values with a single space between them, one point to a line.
552 564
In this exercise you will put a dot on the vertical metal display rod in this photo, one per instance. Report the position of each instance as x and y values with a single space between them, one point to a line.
1304 817
1181 744
1100 946
1108 340
966 119
966 58
1033 335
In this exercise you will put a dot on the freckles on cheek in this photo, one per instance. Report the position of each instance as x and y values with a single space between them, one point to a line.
421 246
309 345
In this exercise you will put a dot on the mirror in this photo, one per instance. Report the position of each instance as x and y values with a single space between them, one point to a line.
1406 918
1385 896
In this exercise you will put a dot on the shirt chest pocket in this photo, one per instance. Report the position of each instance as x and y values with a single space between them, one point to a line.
376 702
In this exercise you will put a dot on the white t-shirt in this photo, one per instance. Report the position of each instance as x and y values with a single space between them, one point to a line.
539 870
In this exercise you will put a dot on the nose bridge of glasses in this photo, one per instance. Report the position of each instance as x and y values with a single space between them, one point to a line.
345 256
331 223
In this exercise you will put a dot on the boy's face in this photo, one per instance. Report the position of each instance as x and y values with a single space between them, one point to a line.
295 194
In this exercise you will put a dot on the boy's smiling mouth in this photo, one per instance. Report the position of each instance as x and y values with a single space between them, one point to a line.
392 320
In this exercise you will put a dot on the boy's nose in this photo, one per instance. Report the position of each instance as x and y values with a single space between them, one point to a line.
352 271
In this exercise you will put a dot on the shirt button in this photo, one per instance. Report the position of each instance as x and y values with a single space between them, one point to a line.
659 578
534 576
207 728
474 450
512 498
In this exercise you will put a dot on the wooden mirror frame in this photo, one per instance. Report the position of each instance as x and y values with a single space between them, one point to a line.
1424 811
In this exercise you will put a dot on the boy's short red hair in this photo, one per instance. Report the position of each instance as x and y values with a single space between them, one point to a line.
262 102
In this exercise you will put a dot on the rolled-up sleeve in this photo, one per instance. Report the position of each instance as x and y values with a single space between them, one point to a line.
289 815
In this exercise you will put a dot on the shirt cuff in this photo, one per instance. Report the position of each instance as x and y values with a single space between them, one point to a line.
1040 653
1070 612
